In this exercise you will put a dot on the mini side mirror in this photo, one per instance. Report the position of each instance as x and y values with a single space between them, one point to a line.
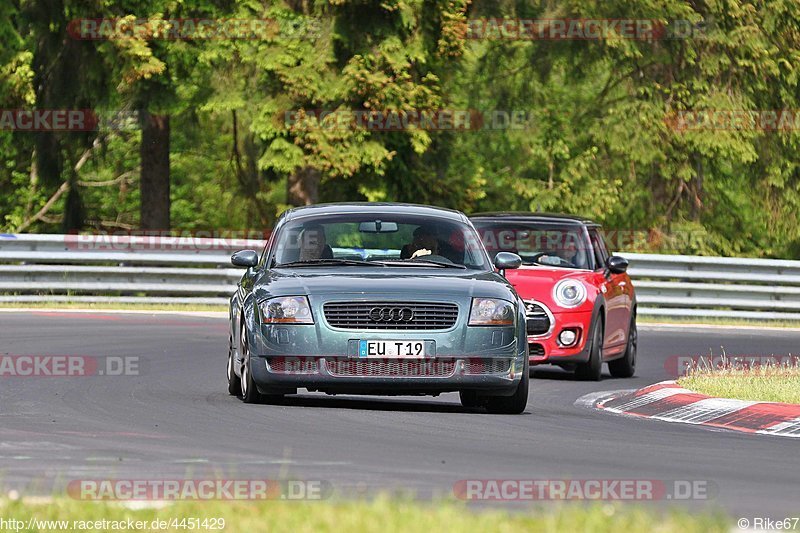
507 260
617 264
245 258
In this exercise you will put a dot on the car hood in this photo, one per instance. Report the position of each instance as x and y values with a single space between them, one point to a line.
427 282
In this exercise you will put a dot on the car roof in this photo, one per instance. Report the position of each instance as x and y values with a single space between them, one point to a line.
518 216
372 207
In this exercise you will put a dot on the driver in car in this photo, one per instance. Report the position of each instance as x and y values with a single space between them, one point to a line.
314 244
572 254
424 242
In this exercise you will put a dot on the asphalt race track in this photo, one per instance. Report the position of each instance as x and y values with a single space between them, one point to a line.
176 419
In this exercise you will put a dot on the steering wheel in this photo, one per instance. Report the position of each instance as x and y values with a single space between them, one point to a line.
535 258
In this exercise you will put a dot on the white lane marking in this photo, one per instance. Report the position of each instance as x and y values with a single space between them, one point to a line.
693 414
704 410
593 398
646 399
789 428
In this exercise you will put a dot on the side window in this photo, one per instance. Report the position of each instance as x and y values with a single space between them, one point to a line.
599 247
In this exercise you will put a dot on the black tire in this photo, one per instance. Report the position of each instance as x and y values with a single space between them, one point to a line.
469 398
234 383
591 370
516 403
249 390
625 367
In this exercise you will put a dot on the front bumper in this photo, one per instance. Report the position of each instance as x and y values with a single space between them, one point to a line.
545 349
319 357
386 377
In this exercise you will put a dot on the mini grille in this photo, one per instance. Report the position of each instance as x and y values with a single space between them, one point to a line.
293 365
535 349
536 319
356 315
391 368
487 365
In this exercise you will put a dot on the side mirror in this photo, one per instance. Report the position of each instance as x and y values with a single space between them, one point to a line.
245 258
506 260
617 264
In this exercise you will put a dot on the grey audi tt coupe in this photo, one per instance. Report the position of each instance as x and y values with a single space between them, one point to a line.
377 298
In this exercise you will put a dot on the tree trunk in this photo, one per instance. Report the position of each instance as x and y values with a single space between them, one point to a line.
302 187
154 183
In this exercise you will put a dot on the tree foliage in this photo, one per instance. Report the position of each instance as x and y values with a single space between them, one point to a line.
598 134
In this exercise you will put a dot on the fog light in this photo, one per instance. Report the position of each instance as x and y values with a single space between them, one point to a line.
567 337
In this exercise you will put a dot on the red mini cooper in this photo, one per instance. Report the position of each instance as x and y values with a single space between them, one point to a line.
580 303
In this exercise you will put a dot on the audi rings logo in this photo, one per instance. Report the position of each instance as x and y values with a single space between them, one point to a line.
391 314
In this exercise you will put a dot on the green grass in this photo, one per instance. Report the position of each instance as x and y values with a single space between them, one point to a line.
766 383
380 515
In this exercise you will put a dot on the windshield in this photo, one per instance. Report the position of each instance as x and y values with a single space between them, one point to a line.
381 239
548 244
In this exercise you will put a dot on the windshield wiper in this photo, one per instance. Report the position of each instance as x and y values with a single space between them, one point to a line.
423 262
329 262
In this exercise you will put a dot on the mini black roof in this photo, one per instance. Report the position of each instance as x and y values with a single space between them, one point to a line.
370 207
534 217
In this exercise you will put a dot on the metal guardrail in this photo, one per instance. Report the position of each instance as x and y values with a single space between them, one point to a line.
35 268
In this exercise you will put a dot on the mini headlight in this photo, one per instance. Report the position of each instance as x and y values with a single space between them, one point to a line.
569 293
286 310
491 312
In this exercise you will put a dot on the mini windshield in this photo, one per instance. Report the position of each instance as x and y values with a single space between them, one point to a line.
382 239
547 244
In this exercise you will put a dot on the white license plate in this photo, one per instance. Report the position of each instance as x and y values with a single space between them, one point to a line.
391 349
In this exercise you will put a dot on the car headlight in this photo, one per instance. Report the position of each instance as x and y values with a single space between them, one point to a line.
491 312
286 310
569 293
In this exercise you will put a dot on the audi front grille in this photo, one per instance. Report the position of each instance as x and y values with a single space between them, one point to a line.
537 319
390 315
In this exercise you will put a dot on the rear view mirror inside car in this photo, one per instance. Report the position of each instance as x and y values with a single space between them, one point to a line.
377 226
